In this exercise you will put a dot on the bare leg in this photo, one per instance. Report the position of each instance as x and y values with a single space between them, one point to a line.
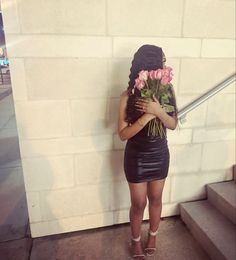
138 194
154 192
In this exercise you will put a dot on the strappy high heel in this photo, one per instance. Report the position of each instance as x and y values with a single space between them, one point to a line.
150 251
137 255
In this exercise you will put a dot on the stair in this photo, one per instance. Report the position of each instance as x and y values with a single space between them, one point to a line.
213 221
223 197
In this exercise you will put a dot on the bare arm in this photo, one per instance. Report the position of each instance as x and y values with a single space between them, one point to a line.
127 131
168 121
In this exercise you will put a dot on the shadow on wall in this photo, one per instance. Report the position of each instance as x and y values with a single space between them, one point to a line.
204 160
39 182
110 168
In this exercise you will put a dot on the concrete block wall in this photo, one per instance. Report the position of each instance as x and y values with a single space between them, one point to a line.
70 61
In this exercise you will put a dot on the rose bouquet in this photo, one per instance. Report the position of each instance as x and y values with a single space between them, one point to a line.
157 83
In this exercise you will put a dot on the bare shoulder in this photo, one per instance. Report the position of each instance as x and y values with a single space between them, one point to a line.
124 95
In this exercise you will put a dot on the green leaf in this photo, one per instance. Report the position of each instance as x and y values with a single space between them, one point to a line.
146 93
168 108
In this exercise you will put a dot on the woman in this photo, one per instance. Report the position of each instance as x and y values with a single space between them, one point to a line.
146 159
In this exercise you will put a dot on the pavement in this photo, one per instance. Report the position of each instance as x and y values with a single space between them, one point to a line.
174 241
5 90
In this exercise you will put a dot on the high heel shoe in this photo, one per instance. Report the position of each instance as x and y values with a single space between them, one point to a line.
150 251
139 256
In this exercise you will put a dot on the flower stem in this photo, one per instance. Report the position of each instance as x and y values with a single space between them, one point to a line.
146 83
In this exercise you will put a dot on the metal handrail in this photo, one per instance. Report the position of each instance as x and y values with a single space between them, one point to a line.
199 100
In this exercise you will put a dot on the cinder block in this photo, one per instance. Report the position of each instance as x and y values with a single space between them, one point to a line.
17 70
99 167
193 186
199 75
43 119
66 78
33 203
10 17
173 47
120 195
70 145
121 216
48 173
64 17
83 200
118 76
201 19
218 48
186 188
59 46
71 224
218 155
179 136
213 135
221 110
158 18
196 117
117 143
170 209
185 158
103 121
166 191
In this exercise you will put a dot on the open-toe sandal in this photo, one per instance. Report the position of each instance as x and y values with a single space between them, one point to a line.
150 251
137 256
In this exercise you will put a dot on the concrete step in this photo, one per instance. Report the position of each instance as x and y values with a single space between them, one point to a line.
211 229
222 195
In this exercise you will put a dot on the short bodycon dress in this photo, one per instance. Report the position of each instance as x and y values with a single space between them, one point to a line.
146 158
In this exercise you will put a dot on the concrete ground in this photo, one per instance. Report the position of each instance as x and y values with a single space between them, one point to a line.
110 243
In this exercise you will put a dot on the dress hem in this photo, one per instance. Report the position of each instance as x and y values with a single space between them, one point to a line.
149 180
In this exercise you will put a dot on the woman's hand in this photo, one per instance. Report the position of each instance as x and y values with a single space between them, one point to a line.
151 107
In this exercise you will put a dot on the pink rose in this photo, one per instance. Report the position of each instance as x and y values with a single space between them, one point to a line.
152 74
167 71
164 80
143 75
167 75
139 84
158 74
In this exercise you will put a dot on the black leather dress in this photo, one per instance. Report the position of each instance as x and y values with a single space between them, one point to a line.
146 158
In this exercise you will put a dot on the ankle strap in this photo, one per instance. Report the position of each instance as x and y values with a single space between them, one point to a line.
136 239
153 233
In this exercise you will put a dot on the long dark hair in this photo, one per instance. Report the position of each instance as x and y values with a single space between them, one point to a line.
148 57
